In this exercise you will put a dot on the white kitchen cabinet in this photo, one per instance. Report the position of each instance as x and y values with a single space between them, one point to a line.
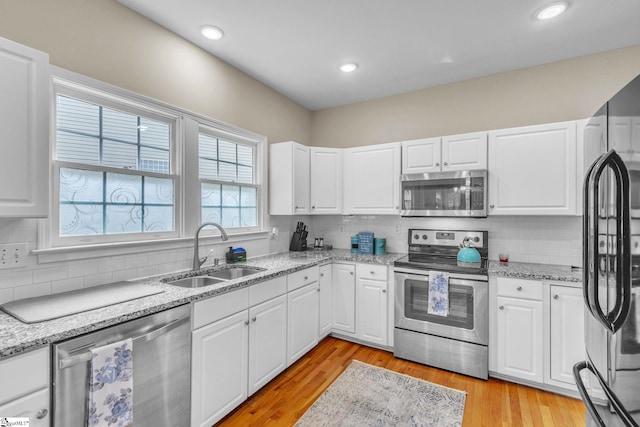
289 179
532 170
302 336
326 181
267 342
372 180
566 332
519 337
344 297
449 153
24 130
325 289
624 134
27 392
219 364
371 308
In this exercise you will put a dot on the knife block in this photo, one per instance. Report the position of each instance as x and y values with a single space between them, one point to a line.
297 242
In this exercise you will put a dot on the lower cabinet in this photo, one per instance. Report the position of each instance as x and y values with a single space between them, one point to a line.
302 329
371 308
537 331
26 391
234 356
325 289
566 332
344 298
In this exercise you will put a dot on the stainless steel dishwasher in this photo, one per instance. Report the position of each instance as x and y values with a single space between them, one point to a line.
161 370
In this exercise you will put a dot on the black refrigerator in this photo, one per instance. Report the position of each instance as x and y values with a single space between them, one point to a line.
609 377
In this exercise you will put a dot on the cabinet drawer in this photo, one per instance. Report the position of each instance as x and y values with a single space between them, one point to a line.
264 291
302 278
219 307
518 288
24 374
370 271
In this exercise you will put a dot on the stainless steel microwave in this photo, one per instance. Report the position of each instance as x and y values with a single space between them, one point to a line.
453 194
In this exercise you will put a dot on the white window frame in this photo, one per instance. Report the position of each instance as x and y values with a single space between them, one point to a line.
218 134
184 168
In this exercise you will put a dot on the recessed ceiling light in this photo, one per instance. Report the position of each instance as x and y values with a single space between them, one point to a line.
552 10
211 32
348 67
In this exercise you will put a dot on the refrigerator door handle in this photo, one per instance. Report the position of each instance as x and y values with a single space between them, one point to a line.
614 319
626 418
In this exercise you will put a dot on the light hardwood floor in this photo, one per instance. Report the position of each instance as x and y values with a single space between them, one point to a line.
489 403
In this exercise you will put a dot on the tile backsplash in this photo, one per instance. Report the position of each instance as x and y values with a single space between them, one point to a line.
550 240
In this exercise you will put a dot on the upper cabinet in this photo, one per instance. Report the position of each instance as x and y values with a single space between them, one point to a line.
532 170
326 181
372 179
24 131
289 179
449 153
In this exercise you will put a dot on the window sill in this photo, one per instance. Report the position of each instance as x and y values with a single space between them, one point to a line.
71 253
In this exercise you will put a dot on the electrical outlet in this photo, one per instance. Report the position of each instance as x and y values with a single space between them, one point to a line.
398 229
13 255
342 229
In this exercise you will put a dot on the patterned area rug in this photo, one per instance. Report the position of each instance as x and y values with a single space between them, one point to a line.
365 395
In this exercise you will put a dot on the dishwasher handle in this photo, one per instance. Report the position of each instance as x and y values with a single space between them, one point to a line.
149 336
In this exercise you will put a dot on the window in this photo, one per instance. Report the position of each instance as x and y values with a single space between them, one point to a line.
227 172
130 170
113 164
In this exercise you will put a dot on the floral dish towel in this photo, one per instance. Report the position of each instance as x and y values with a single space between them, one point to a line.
438 293
111 386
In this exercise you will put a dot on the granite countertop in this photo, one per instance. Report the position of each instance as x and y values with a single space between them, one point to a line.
17 337
525 270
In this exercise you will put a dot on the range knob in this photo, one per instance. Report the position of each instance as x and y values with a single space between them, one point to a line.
424 237
416 237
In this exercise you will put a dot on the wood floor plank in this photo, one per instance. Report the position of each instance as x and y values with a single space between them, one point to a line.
488 403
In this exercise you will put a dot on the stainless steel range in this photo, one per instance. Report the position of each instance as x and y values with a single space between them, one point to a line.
451 331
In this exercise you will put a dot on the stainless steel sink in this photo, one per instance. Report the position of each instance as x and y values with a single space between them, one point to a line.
235 272
196 282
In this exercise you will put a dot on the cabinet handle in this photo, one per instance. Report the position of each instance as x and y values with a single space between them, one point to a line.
42 413
397 207
318 289
491 206
373 273
445 163
437 163
306 277
253 319
313 207
501 307
321 274
351 273
246 323
384 291
556 296
519 288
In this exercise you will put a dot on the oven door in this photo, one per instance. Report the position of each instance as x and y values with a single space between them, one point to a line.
467 319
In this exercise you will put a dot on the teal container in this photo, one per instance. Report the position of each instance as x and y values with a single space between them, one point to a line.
354 244
379 246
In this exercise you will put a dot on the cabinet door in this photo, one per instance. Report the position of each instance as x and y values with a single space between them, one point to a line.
372 180
372 311
24 130
421 155
464 152
267 342
344 298
288 179
34 406
519 338
326 181
301 187
219 363
302 336
532 170
326 301
567 331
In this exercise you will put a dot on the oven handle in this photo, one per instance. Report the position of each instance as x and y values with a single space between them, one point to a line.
402 274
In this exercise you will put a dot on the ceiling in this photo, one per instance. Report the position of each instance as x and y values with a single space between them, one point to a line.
295 46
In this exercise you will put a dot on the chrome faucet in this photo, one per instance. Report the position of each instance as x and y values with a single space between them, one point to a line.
197 261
